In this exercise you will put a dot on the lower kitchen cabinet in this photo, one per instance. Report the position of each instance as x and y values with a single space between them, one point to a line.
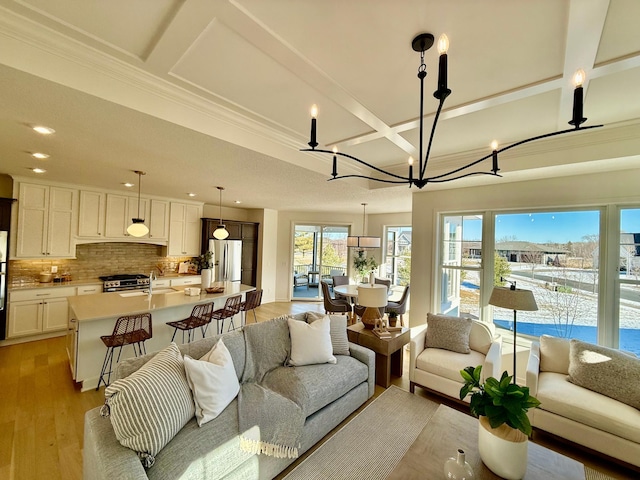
32 312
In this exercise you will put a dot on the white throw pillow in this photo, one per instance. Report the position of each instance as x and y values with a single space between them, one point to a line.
213 381
310 342
338 331
554 354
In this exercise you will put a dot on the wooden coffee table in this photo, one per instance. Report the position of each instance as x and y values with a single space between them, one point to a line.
449 430
388 350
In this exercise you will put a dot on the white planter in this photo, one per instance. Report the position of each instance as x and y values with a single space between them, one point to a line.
206 275
503 450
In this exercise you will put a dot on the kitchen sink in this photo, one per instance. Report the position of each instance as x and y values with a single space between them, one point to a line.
155 291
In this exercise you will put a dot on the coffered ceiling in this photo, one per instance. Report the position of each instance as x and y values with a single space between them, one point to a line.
200 93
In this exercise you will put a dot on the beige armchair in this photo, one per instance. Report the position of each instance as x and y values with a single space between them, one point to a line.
438 370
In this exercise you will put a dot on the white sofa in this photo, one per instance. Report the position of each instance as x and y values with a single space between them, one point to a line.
576 413
438 369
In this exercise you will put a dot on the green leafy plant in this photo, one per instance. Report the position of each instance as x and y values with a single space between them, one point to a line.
499 400
363 264
203 261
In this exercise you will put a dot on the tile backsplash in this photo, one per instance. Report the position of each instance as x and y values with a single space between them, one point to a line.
97 259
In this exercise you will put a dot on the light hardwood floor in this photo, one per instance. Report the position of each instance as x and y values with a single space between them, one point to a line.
42 411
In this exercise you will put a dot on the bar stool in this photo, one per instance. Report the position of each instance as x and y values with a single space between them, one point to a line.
129 330
200 317
252 301
230 309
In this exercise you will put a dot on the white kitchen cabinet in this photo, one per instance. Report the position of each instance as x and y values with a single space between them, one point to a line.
43 310
89 289
46 216
159 220
184 230
190 280
161 283
91 214
121 209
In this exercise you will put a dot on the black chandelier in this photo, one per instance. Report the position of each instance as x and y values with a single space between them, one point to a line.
421 44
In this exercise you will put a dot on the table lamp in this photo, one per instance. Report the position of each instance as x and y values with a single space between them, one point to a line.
372 297
515 299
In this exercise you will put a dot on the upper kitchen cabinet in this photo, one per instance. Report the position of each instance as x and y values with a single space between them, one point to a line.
184 230
91 214
121 209
159 220
46 217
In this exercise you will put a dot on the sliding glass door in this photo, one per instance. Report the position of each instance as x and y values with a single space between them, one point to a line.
319 253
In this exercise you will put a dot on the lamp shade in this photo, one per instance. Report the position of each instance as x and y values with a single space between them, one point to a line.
363 242
372 295
220 233
513 299
137 228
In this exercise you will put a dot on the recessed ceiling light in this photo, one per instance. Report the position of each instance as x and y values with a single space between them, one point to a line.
128 185
40 155
38 170
43 130
191 194
237 201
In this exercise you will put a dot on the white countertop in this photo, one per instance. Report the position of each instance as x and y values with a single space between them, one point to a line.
109 305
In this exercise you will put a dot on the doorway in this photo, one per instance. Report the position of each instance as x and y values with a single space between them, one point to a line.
319 253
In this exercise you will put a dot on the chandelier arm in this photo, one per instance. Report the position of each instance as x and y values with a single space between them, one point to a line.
433 132
471 174
373 167
546 135
398 182
464 167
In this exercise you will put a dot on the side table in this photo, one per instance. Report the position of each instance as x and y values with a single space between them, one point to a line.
389 351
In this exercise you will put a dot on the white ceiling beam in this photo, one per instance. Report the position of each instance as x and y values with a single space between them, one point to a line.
584 31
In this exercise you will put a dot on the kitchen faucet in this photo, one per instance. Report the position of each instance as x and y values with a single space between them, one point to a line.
152 277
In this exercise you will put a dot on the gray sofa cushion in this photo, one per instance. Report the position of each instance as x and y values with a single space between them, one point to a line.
313 387
339 339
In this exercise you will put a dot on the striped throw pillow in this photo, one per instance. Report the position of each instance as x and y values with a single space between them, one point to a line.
151 405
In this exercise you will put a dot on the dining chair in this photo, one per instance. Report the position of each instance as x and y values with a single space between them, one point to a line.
400 306
129 330
334 305
340 280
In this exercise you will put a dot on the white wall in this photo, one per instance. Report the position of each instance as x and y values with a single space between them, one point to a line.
267 254
620 187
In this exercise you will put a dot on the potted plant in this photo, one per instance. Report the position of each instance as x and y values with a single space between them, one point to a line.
364 265
204 264
393 317
501 407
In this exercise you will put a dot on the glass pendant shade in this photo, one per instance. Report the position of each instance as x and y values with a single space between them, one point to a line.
220 233
137 228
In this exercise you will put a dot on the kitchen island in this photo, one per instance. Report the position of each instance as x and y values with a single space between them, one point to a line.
92 316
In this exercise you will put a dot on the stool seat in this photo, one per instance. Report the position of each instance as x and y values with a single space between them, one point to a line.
231 308
200 318
129 330
253 299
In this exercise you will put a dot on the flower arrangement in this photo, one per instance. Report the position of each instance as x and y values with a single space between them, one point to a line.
363 264
500 401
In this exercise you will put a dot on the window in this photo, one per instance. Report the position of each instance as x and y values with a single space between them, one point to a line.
555 255
461 264
628 281
397 259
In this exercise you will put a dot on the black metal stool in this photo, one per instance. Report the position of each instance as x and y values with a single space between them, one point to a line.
230 309
129 330
200 318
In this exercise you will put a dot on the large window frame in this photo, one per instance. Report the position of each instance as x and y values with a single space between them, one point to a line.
395 254
608 319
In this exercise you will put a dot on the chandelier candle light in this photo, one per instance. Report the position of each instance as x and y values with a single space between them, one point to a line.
421 44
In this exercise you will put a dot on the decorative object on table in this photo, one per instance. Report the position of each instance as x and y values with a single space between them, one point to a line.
372 298
218 289
393 317
364 265
137 227
421 44
514 299
192 291
380 328
220 233
457 468
363 241
501 407
205 268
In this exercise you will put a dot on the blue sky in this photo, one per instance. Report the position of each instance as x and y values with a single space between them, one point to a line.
560 227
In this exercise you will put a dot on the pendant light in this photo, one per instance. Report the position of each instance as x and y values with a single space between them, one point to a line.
137 227
363 241
220 233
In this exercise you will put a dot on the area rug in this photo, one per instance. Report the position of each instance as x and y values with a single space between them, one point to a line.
373 442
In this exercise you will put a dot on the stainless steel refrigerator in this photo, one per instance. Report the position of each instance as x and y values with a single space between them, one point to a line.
227 256
4 255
